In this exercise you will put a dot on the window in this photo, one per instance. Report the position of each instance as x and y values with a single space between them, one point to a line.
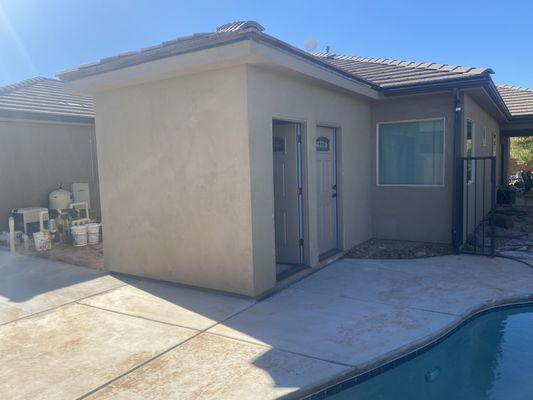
411 153
278 145
322 144
469 150
494 144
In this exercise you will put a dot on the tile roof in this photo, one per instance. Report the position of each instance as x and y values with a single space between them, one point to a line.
378 73
182 44
518 100
44 97
388 73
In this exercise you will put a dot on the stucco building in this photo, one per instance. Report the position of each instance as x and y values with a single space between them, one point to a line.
228 156
47 138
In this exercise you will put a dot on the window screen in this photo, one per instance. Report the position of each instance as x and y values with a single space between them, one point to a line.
411 153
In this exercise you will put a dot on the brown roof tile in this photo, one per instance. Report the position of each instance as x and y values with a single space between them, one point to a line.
393 73
518 100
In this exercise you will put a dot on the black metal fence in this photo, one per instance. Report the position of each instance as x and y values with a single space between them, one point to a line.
475 204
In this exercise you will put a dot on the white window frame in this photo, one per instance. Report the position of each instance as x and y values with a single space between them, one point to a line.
443 119
473 177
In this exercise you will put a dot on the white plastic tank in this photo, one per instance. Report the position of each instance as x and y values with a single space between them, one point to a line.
59 199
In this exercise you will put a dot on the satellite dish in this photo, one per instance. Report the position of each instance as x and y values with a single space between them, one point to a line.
310 44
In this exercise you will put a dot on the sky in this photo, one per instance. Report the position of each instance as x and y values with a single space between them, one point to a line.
43 37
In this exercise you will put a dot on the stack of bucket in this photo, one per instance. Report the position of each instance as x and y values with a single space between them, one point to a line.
85 234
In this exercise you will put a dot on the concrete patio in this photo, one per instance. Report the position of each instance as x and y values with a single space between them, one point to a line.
68 332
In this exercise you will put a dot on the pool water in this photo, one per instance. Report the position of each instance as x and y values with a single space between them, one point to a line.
490 357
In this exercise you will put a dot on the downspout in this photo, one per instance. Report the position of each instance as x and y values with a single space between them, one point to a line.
457 194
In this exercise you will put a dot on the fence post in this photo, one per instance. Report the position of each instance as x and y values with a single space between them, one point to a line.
493 208
458 206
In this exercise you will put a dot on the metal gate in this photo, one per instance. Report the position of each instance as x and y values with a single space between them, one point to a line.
475 204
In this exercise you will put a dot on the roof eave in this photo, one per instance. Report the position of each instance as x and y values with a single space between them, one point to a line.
445 84
39 116
79 73
522 117
483 80
246 35
261 37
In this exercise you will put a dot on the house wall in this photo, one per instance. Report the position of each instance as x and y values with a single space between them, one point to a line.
175 180
418 213
36 156
275 95
479 196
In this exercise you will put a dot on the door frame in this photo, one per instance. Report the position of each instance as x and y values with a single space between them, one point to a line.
301 166
338 199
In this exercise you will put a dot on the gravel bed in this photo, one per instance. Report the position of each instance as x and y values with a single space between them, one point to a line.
398 249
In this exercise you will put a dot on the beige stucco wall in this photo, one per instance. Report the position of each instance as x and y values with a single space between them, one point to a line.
276 95
36 156
484 128
175 180
417 213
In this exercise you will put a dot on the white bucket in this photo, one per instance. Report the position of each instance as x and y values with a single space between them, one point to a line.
93 233
42 241
79 235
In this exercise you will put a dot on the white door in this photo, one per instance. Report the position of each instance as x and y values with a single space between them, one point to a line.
326 182
286 211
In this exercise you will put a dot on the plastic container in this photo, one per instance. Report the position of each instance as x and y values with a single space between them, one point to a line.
79 235
93 233
42 241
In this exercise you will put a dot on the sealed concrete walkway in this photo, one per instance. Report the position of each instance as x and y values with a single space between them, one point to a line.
68 332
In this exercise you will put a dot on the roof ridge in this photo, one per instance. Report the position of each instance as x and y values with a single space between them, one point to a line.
409 64
240 26
504 86
24 83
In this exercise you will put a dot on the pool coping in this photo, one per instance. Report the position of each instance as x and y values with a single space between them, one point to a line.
405 353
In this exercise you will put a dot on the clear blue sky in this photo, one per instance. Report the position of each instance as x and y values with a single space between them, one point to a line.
42 37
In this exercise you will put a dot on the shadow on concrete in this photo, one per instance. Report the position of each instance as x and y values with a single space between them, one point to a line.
348 313
23 277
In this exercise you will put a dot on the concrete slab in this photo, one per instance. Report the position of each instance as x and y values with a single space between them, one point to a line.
65 353
331 327
443 284
345 317
171 303
30 285
212 367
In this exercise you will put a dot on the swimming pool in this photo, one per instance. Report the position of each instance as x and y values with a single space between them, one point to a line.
489 358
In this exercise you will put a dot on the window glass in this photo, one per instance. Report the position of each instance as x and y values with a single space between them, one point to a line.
278 145
411 153
469 150
322 144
